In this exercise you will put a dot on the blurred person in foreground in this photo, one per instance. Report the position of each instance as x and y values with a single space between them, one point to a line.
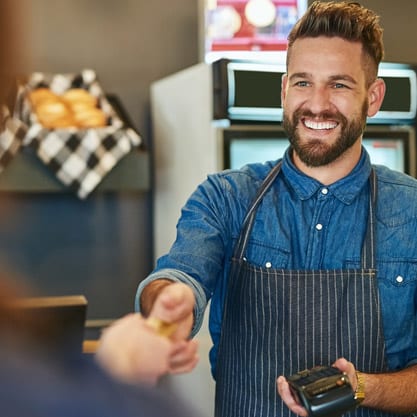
119 380
310 259
37 380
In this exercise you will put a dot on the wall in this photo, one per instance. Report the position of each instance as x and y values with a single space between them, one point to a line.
129 43
397 18
101 247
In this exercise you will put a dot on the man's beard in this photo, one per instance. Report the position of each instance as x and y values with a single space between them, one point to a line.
316 152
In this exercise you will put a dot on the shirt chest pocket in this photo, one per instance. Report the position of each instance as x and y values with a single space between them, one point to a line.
397 283
264 256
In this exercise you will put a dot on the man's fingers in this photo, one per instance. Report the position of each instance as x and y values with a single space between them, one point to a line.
185 357
161 327
286 395
175 302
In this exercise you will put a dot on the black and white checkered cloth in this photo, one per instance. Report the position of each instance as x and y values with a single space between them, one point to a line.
80 158
12 134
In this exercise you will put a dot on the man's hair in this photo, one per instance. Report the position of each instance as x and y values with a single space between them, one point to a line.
347 20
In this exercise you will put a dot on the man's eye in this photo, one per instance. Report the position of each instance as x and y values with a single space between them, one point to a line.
301 83
340 85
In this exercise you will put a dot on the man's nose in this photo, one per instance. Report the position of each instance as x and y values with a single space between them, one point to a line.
319 99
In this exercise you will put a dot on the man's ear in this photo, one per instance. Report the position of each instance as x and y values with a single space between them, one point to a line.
376 93
284 81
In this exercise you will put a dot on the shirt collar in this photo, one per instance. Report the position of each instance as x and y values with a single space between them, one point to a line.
345 189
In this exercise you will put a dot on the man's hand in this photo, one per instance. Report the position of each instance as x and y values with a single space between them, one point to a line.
174 305
291 402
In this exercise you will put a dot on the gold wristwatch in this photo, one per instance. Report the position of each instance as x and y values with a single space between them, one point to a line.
360 388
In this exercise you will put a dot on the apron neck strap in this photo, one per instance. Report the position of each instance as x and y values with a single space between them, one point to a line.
250 215
368 248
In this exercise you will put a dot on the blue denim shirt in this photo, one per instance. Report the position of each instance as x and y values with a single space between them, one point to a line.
301 224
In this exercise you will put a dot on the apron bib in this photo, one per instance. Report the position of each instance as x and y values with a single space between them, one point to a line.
278 322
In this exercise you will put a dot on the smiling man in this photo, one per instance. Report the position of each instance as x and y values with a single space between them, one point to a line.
301 257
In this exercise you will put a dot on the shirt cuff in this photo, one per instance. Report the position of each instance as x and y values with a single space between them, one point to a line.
178 276
411 363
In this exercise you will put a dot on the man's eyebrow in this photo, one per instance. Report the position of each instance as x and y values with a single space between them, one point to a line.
343 77
300 75
336 77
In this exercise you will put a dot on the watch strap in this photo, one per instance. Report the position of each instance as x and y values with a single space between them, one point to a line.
360 387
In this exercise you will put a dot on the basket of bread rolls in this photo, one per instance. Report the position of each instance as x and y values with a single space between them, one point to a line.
76 107
73 127
66 101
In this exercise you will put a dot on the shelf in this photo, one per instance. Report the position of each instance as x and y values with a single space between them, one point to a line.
26 173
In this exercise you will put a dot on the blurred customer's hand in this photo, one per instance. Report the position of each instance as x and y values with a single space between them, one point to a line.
133 351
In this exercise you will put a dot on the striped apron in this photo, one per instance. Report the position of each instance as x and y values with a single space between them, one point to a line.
278 322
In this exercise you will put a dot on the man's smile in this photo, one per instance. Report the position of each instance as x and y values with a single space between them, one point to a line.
315 125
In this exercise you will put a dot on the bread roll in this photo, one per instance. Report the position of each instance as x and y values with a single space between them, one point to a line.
40 95
89 118
79 95
54 114
57 122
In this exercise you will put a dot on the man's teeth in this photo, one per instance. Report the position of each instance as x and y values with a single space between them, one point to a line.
319 125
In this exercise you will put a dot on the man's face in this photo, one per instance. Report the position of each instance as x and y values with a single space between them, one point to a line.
325 99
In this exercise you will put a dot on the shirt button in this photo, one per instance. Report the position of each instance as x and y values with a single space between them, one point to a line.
268 264
319 226
399 279
324 191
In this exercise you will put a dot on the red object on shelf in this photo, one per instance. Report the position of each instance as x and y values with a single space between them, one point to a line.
241 35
